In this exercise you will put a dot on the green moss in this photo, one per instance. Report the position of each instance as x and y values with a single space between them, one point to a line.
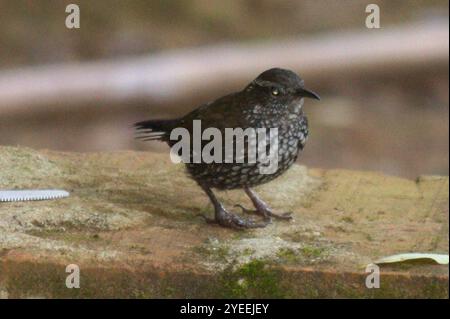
248 252
312 252
288 255
256 279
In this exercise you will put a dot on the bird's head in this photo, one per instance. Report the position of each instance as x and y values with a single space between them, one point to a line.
281 87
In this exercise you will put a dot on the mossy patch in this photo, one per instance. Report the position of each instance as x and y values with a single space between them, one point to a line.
288 255
304 256
256 279
218 254
313 252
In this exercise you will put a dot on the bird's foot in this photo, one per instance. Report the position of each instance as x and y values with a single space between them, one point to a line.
227 219
265 212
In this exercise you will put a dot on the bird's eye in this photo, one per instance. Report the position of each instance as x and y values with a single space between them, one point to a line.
275 92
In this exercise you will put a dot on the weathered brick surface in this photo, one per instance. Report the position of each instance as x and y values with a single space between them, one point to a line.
131 226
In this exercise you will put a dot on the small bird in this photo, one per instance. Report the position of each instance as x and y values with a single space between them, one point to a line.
273 100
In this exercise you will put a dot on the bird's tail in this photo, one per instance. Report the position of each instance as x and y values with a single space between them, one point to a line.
154 130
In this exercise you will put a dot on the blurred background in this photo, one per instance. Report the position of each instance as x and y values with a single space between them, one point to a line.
385 92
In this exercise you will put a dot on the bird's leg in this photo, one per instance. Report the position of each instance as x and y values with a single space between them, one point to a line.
261 208
225 218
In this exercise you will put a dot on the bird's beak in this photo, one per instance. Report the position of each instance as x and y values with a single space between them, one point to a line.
307 93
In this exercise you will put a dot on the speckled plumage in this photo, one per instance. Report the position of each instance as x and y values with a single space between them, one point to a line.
273 100
292 138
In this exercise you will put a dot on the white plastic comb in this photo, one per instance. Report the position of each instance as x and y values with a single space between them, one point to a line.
31 195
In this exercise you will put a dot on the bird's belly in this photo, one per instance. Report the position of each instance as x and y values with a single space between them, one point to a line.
238 175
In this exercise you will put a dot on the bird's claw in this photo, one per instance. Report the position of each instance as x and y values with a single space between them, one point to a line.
266 213
229 220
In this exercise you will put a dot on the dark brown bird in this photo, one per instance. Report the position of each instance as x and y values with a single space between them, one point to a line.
273 100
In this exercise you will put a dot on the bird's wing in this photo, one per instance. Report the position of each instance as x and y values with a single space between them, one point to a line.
225 112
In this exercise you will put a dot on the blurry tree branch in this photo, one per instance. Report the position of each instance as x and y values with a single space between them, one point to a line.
169 76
